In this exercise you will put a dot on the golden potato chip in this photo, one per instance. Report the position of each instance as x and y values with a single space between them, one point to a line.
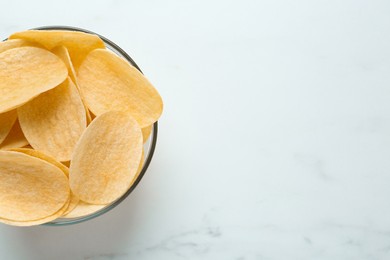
15 43
54 121
25 73
109 83
43 156
35 153
10 44
83 209
79 44
146 131
15 138
38 221
63 54
7 120
106 158
30 188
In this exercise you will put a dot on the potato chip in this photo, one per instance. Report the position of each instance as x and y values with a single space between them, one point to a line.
15 43
106 158
7 120
109 83
79 44
15 138
43 156
63 54
25 73
35 153
146 131
83 209
54 121
30 188
10 44
38 221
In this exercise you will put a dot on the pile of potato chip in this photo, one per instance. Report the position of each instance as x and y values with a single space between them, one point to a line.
73 120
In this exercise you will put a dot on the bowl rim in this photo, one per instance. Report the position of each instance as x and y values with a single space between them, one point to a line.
152 144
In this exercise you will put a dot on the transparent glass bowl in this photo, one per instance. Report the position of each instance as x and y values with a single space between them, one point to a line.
149 146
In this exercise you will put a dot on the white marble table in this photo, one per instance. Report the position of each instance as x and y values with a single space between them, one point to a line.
275 139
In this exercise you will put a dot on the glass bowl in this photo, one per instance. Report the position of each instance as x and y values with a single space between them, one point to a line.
149 146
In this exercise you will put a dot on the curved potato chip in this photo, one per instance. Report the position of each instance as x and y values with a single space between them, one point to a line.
54 121
15 43
38 221
35 153
43 156
26 72
83 209
15 138
63 54
7 120
146 131
79 44
10 44
30 188
106 158
109 83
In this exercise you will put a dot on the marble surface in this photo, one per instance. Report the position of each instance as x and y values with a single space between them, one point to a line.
275 139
